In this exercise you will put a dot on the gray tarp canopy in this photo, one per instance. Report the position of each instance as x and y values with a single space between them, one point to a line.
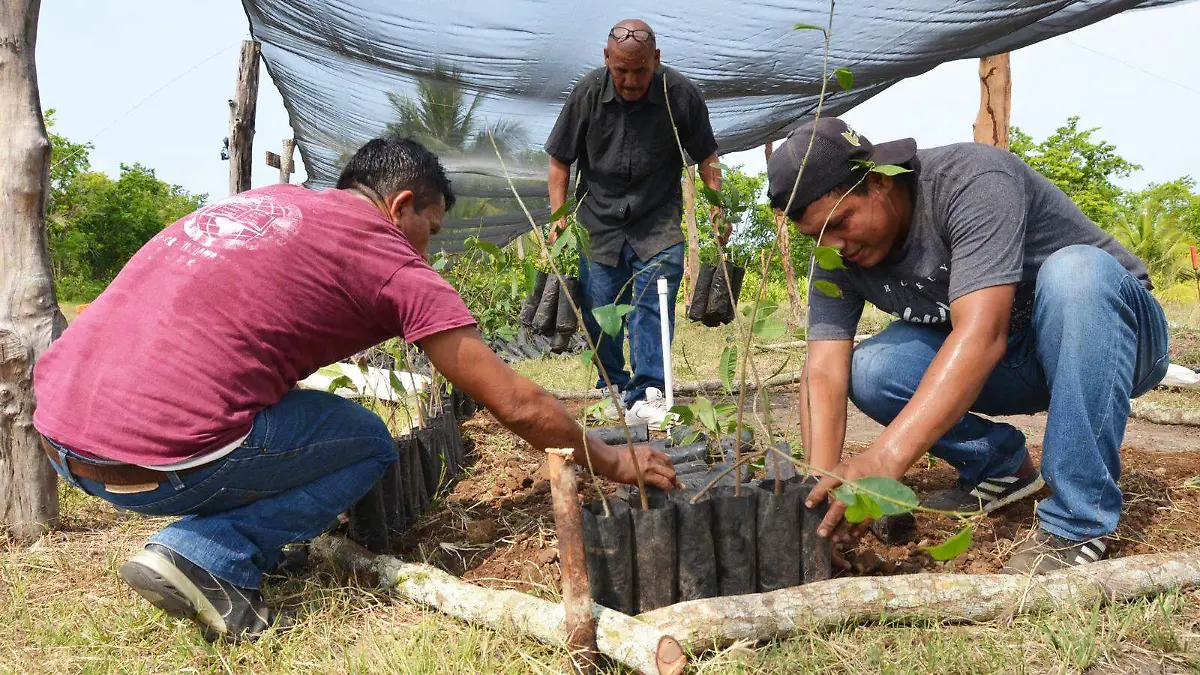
447 72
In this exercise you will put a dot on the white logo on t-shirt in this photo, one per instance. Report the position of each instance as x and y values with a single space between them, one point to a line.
243 222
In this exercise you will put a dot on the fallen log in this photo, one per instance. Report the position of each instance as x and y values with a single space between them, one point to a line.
622 638
684 388
953 598
1158 414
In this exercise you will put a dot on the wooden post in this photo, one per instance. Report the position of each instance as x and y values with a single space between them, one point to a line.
577 593
995 98
241 119
783 232
691 266
283 162
29 316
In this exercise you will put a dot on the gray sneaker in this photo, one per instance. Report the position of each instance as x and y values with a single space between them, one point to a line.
184 590
1044 552
990 494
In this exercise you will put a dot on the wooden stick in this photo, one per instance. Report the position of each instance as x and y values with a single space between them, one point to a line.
691 266
286 163
783 231
241 119
577 592
761 617
995 98
635 644
1158 414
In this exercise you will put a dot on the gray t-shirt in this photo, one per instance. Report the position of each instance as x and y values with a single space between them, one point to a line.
981 218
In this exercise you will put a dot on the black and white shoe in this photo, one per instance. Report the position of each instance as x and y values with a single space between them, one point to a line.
185 590
1044 552
990 494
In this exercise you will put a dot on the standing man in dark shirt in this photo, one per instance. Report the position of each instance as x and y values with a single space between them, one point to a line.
1008 301
617 124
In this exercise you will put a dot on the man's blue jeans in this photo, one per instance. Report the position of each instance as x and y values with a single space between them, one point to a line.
634 282
1097 338
307 459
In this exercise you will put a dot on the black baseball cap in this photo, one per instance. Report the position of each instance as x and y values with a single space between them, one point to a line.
835 147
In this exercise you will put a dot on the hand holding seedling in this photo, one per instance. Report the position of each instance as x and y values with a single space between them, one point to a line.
875 461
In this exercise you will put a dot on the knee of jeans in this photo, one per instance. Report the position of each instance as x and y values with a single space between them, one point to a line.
1078 272
871 376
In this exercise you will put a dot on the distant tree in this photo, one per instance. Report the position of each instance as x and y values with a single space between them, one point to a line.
1083 167
1176 201
1153 234
95 224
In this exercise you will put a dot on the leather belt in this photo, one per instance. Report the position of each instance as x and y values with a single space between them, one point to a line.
110 474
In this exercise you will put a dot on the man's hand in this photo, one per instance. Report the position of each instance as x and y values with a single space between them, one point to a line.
657 469
875 461
556 231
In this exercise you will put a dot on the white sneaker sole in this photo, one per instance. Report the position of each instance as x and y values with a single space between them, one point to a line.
205 612
1017 496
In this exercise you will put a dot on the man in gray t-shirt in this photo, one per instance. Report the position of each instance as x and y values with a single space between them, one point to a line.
1009 300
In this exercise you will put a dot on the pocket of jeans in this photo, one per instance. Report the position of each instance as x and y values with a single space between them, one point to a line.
227 499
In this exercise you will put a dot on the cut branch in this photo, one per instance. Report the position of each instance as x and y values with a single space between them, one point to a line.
1158 414
622 638
703 624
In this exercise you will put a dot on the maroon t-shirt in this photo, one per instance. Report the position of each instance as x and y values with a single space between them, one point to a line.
221 313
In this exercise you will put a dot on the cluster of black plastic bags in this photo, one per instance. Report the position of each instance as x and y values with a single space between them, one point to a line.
724 544
547 310
428 459
711 303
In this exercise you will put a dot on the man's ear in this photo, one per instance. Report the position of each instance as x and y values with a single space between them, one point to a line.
606 56
397 202
657 58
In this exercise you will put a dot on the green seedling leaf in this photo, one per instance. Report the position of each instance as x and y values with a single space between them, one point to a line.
845 78
583 238
892 491
807 26
764 310
595 411
562 211
330 371
764 406
342 382
952 547
394 380
489 248
725 410
686 416
439 262
530 276
722 167
706 415
863 508
828 288
890 169
609 317
567 238
829 258
768 328
714 198
728 366
585 357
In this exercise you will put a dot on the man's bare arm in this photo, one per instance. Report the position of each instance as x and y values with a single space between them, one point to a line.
947 391
530 411
559 180
710 174
827 385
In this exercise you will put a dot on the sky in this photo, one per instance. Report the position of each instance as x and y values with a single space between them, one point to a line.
148 81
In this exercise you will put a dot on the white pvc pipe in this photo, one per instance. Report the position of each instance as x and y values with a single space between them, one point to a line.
664 317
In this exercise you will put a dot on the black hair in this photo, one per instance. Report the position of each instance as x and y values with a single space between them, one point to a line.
390 164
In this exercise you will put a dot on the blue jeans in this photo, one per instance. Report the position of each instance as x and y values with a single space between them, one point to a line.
307 459
1097 338
635 282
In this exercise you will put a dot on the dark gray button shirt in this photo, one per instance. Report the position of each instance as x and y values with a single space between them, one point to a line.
629 163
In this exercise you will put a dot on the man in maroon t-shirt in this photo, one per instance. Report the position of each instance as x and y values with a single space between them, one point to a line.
174 393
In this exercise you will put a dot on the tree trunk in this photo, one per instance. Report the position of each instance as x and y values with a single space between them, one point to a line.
995 98
241 119
29 315
577 592
691 266
783 231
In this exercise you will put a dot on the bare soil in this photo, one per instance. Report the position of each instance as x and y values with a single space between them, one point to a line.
496 527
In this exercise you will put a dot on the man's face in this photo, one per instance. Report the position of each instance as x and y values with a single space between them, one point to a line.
417 225
632 69
866 227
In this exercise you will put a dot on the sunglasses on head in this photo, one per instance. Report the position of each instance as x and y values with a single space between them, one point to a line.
621 34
